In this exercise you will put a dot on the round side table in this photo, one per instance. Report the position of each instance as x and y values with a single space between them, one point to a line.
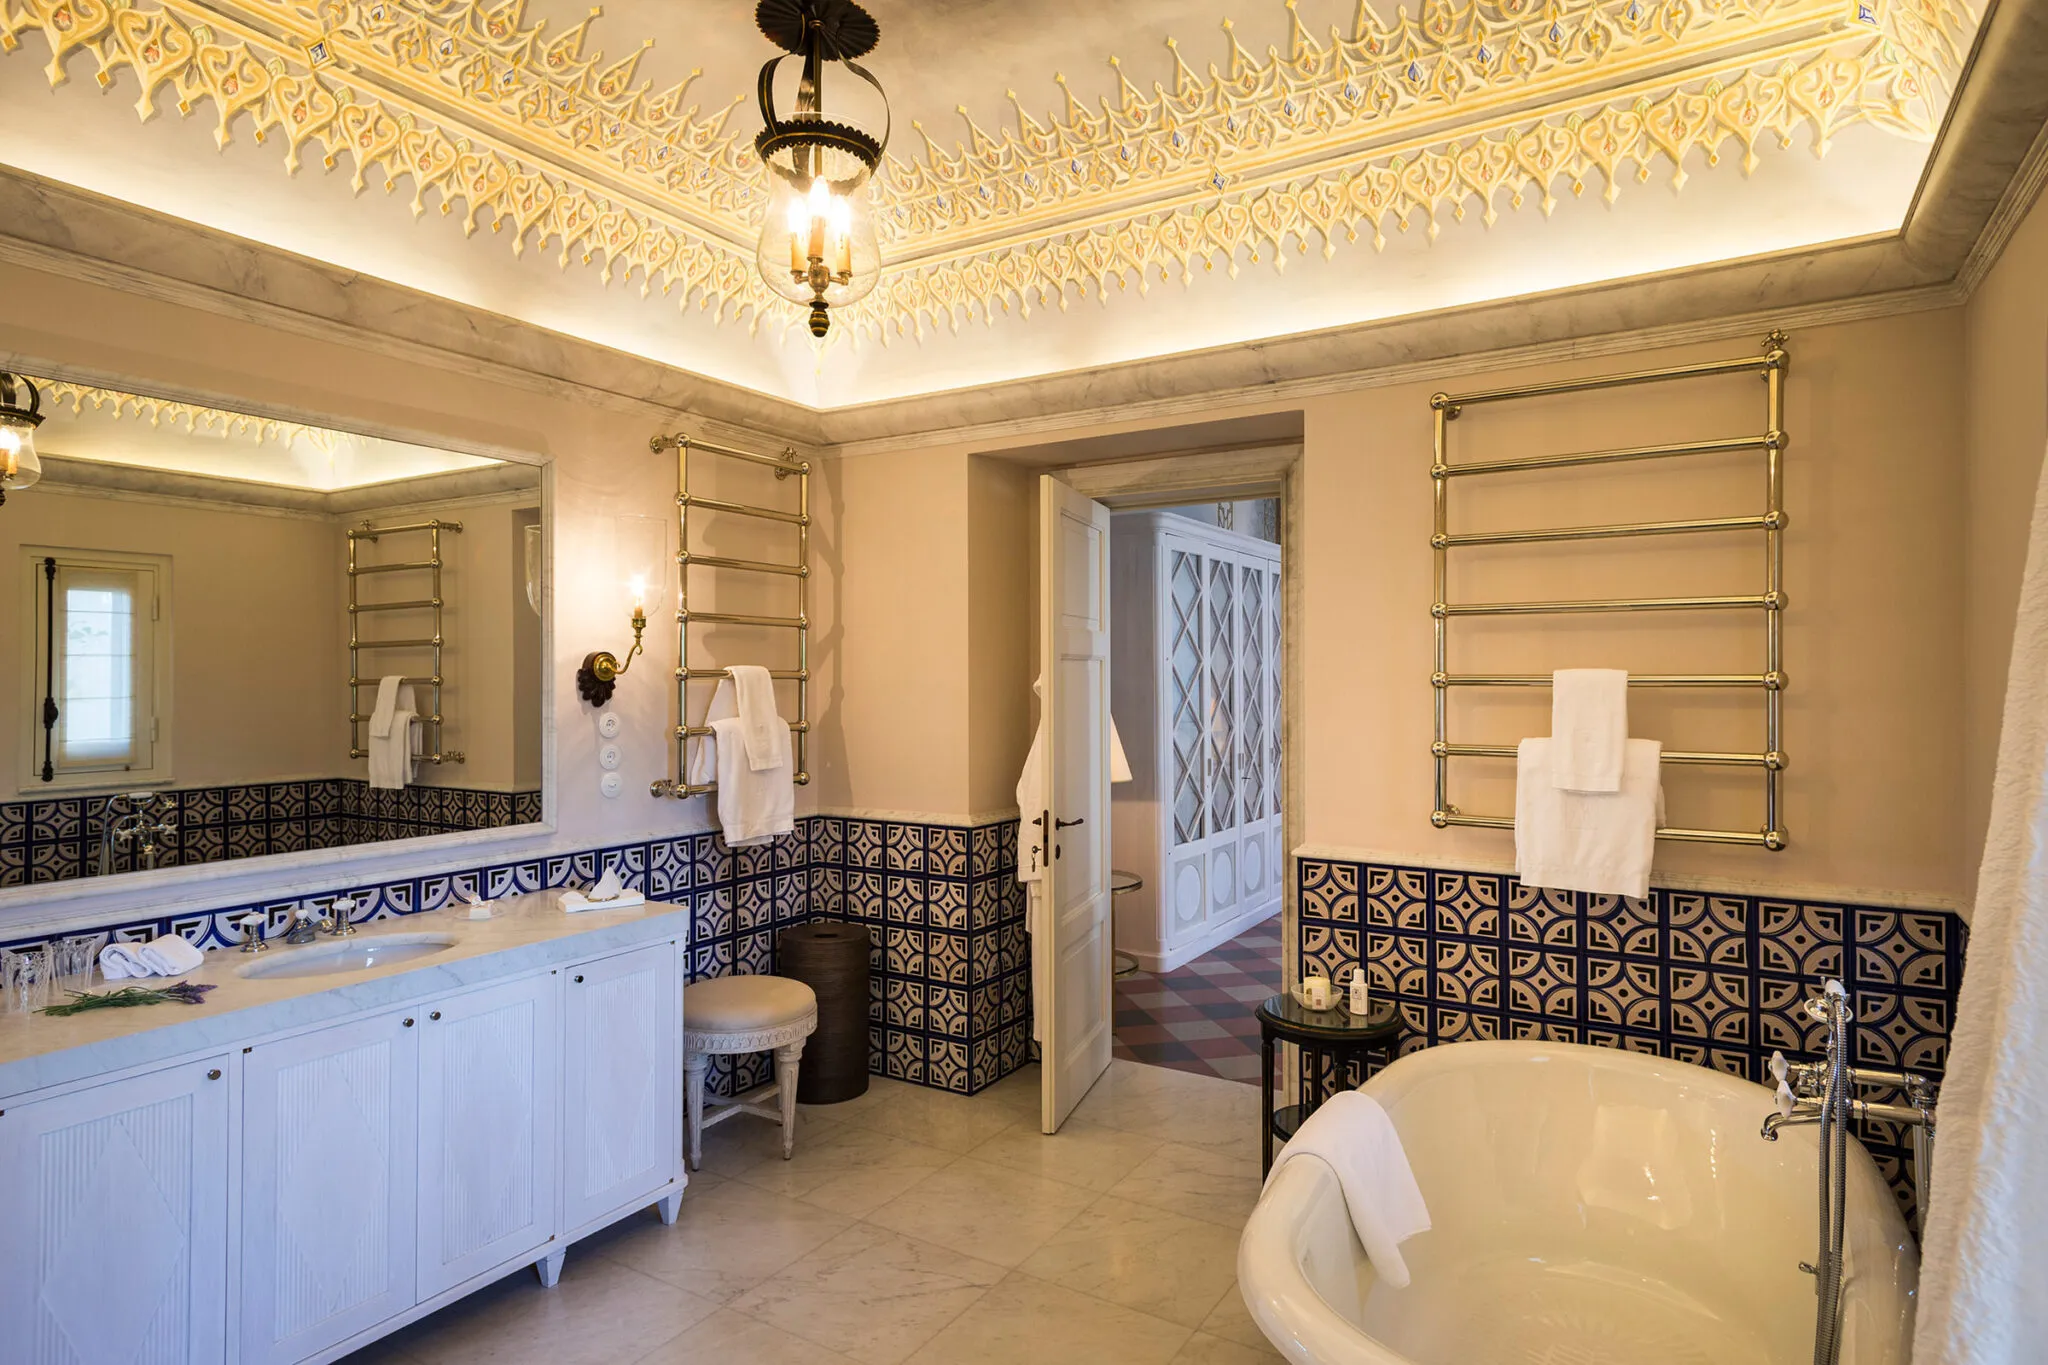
1330 1040
1122 964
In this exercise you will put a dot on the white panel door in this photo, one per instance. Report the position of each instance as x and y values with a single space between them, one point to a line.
622 1135
489 1073
113 1223
1073 613
330 1183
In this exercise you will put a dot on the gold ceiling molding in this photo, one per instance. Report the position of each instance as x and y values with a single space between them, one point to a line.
196 419
1461 107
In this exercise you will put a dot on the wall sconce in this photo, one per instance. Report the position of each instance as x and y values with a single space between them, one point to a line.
639 554
21 412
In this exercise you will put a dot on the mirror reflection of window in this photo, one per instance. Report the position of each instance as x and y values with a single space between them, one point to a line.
97 659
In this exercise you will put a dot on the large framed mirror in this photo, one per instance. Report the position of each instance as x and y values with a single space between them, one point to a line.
226 636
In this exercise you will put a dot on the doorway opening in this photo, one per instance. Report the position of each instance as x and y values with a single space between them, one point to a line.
1197 793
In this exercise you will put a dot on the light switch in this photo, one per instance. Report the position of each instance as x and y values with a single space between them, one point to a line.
611 784
608 756
608 725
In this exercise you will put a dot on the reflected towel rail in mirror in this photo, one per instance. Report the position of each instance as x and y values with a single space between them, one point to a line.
433 602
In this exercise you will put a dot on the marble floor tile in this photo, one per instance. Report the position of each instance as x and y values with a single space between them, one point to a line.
1024 1321
1201 1182
600 1313
729 1338
871 1294
1233 1321
1153 1260
1200 1111
1090 1155
744 1141
983 1210
851 1169
727 1240
1203 1349
956 1123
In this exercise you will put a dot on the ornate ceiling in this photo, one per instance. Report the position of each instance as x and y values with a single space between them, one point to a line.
1166 165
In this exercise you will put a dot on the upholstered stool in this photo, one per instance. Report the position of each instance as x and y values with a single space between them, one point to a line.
730 1014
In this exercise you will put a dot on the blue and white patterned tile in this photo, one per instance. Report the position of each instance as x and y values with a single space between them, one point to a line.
947 906
1397 898
1707 931
1466 903
946 1011
755 860
903 898
1545 984
946 851
754 907
1467 974
904 951
1622 925
947 957
903 1056
1330 949
755 954
903 1003
865 844
903 847
1398 964
712 958
946 1066
1541 917
1902 1031
865 901
828 840
1460 1026
1901 948
1329 891
1708 1006
1799 940
1623 994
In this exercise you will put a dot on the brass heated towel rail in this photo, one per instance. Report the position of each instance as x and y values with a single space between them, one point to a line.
432 642
1770 760
786 466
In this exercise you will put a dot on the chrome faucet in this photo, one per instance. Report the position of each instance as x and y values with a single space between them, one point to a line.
119 829
303 928
251 926
1826 1093
337 921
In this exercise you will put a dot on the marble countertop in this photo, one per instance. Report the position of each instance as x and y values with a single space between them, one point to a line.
525 933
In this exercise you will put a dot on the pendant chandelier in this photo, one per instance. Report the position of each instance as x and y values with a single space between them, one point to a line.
21 412
818 243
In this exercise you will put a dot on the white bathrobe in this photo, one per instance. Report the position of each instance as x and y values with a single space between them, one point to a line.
1034 799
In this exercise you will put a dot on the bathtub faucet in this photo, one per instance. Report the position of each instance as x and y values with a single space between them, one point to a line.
1830 1093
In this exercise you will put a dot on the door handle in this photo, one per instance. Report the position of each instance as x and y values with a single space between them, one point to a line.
1069 824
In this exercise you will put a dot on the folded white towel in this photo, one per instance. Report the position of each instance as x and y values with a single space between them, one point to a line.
1588 727
1354 1134
753 807
767 735
394 755
166 955
387 703
1588 841
609 894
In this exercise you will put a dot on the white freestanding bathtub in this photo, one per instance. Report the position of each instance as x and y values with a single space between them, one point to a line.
1588 1206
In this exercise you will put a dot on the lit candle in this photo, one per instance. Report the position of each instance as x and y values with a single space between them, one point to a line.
821 213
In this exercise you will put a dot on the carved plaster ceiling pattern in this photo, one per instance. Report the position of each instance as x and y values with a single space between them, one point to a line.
1460 110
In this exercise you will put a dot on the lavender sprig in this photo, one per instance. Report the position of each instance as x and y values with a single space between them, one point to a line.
184 993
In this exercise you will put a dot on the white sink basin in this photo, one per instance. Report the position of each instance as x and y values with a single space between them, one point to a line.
346 955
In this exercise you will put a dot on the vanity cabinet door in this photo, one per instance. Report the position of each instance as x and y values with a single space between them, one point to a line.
489 1103
622 1125
330 1179
113 1222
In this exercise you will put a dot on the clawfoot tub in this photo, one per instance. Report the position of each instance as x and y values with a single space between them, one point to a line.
1588 1206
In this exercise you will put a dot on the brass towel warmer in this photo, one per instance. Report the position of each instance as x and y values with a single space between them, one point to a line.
1771 365
433 641
785 465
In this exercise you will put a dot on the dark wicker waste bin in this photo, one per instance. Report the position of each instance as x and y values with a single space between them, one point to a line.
831 957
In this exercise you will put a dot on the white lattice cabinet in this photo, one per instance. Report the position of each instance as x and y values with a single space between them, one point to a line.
622 1124
114 1222
1195 689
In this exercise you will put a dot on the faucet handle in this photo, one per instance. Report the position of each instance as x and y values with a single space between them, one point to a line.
1778 1067
251 925
1787 1101
337 921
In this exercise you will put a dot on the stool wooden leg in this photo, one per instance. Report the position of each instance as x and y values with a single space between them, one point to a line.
786 1058
693 1072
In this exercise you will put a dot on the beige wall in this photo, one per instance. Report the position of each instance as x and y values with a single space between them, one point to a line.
1873 721
1002 646
2006 422
252 605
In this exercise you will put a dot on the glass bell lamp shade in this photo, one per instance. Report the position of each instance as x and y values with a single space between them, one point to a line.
818 244
19 467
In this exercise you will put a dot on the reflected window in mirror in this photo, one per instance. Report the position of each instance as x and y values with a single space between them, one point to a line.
197 602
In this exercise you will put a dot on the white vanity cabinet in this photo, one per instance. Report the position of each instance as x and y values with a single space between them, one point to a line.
114 1221
490 1079
622 1115
330 1185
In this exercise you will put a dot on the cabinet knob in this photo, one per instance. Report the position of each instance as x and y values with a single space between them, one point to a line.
435 1015
579 978
213 1075
408 1023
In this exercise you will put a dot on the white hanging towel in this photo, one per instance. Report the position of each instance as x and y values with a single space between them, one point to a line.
753 807
1588 727
394 741
387 702
1353 1132
1033 799
1588 841
767 736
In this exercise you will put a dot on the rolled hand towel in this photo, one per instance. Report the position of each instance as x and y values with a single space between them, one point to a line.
119 961
170 955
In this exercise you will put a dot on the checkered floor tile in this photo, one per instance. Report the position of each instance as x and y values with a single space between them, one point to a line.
1199 1018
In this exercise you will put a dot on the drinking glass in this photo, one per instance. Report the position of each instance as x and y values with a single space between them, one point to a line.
78 957
26 976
